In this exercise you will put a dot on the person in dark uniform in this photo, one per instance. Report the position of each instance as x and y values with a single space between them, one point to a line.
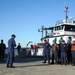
63 47
11 45
73 53
46 52
18 47
69 58
59 52
2 50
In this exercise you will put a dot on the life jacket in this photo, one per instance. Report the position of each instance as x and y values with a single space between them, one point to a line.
54 47
73 48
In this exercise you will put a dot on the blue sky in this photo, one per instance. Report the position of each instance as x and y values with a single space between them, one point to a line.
24 17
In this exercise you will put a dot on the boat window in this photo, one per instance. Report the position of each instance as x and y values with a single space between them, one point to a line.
69 28
58 28
55 29
61 27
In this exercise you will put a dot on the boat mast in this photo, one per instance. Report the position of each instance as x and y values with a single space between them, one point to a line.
41 30
66 13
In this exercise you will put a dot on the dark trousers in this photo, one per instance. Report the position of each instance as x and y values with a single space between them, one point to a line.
63 57
73 57
2 54
18 51
47 57
55 57
69 57
59 56
10 59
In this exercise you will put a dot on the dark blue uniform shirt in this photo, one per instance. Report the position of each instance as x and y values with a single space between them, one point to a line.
11 45
46 47
63 47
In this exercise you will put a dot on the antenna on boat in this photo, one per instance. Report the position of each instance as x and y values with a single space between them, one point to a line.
66 10
41 30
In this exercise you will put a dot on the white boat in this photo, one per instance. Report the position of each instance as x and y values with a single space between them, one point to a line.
64 30
61 30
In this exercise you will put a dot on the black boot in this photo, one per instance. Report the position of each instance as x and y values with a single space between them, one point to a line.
44 62
7 66
11 66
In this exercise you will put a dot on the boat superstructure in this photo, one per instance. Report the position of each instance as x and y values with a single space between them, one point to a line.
61 30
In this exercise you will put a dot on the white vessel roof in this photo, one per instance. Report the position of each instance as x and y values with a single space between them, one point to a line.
64 24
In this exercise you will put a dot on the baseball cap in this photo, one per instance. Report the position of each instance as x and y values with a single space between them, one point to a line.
13 35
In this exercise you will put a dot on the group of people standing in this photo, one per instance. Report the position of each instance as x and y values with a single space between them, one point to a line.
62 53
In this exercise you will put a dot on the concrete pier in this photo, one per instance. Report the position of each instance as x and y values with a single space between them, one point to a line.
34 66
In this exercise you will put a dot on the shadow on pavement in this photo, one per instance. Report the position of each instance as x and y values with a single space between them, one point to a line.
33 65
24 60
